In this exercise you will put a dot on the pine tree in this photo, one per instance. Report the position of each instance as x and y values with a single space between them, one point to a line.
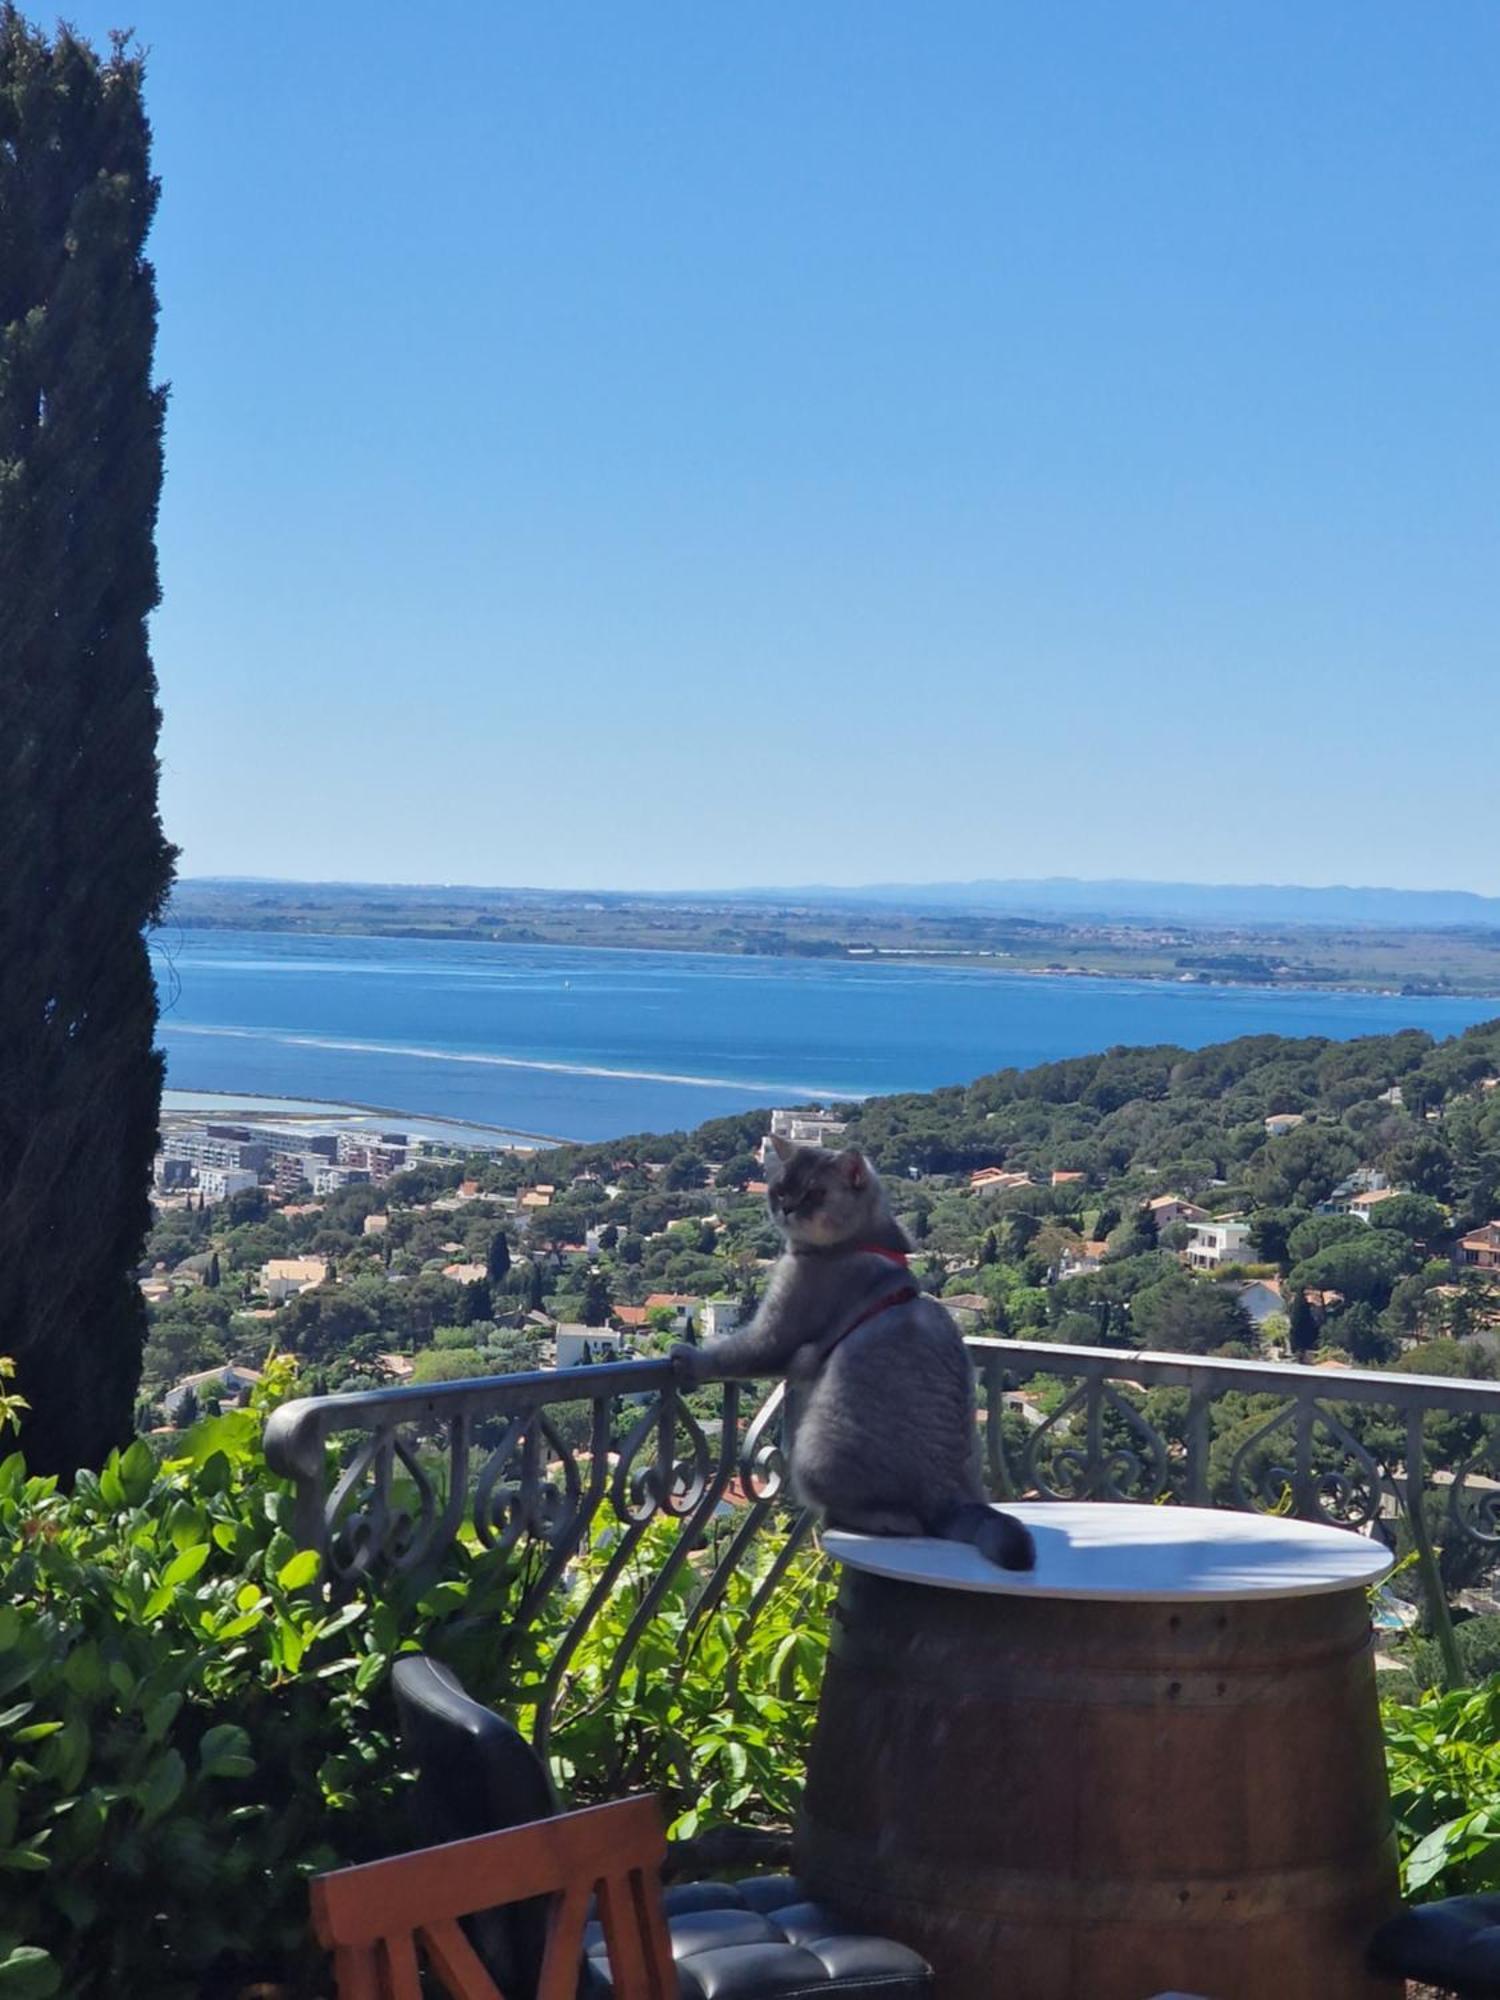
86 866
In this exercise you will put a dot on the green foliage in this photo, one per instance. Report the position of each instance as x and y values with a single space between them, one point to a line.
1364 1268
12 1406
448 1364
1443 1756
1318 1231
1418 1216
1478 1641
187 1730
1182 1316
189 1726
720 1726
1301 1169
1271 1230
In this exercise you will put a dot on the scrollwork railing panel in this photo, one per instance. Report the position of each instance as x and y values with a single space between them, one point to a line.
541 1467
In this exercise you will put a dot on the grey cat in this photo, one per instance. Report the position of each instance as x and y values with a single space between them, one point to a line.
886 1443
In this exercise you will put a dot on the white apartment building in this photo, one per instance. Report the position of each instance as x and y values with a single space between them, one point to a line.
803 1128
1214 1243
219 1183
577 1345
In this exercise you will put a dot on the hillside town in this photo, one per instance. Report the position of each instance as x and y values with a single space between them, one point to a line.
376 1258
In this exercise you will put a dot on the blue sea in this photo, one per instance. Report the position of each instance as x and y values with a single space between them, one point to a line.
594 1044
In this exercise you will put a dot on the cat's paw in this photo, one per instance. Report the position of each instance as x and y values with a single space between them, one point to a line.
687 1362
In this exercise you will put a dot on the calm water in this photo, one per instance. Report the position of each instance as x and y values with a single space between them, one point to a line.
591 1044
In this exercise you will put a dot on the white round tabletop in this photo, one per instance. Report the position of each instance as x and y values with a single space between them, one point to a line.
1134 1554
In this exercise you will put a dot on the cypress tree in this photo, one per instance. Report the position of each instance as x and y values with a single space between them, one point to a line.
1302 1328
86 866
499 1258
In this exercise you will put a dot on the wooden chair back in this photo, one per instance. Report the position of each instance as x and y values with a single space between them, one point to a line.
381 1920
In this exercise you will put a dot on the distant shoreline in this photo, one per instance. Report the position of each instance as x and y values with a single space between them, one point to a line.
981 959
341 1107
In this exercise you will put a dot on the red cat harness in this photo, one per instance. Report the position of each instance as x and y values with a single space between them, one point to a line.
902 1295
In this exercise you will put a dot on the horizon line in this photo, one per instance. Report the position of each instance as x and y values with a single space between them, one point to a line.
826 888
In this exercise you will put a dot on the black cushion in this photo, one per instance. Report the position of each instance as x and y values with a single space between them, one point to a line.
1455 1943
764 1940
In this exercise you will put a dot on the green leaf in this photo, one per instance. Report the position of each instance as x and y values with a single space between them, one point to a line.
16 1714
69 1756
10 1627
111 1487
346 1615
189 1526
35 1732
300 1570
163 1788
225 1752
215 1474
83 1671
160 1715
29 1973
137 1472
182 1569
236 1628
1431 1856
26 1860
234 1435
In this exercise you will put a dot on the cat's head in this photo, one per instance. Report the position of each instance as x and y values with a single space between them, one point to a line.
821 1198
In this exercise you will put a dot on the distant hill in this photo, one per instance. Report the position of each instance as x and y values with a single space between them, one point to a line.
1059 898
1188 902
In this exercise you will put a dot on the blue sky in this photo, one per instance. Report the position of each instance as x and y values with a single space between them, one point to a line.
668 445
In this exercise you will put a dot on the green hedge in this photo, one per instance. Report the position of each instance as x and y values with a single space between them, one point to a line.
189 1729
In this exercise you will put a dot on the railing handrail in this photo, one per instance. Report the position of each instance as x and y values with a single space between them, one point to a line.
296 1430
1153 1369
300 1427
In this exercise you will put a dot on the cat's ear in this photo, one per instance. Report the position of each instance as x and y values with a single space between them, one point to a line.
783 1148
854 1167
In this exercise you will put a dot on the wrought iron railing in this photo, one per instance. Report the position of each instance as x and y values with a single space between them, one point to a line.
552 1459
543 1464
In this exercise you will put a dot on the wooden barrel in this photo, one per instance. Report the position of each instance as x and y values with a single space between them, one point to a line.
1082 1800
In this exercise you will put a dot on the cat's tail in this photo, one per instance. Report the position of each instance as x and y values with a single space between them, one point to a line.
1000 1537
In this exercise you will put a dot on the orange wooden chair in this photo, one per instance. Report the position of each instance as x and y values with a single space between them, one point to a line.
383 1919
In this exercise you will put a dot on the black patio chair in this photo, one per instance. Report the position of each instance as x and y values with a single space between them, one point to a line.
753 1940
1454 1944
